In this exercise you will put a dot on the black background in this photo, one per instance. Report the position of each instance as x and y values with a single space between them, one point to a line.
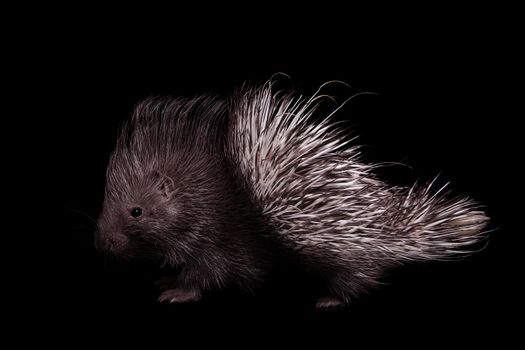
442 105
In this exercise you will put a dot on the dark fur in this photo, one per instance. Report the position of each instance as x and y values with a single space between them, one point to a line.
195 217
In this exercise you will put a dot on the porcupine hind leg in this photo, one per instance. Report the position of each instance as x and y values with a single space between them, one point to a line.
334 299
343 287
329 302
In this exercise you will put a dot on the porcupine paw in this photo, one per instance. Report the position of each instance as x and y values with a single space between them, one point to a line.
329 303
180 295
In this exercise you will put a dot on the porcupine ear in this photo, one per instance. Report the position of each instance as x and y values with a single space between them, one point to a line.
165 185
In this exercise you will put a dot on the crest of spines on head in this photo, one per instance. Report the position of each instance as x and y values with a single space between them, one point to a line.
165 131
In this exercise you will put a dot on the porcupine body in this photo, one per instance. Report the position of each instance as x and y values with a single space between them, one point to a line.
218 189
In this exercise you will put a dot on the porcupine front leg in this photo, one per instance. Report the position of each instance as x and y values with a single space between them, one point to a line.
178 294
179 289
191 282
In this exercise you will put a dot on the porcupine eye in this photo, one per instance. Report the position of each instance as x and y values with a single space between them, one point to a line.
136 212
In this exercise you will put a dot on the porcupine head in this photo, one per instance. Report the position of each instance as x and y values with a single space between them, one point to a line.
204 187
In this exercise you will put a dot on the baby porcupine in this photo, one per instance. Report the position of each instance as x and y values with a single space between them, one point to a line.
218 189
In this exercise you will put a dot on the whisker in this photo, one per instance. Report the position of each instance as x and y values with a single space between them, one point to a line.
84 214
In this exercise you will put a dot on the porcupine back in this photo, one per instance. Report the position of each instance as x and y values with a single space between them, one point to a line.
327 204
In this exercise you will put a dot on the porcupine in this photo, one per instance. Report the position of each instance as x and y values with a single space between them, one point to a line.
216 189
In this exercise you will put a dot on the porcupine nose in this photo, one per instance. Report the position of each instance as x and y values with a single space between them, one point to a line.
112 243
103 241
